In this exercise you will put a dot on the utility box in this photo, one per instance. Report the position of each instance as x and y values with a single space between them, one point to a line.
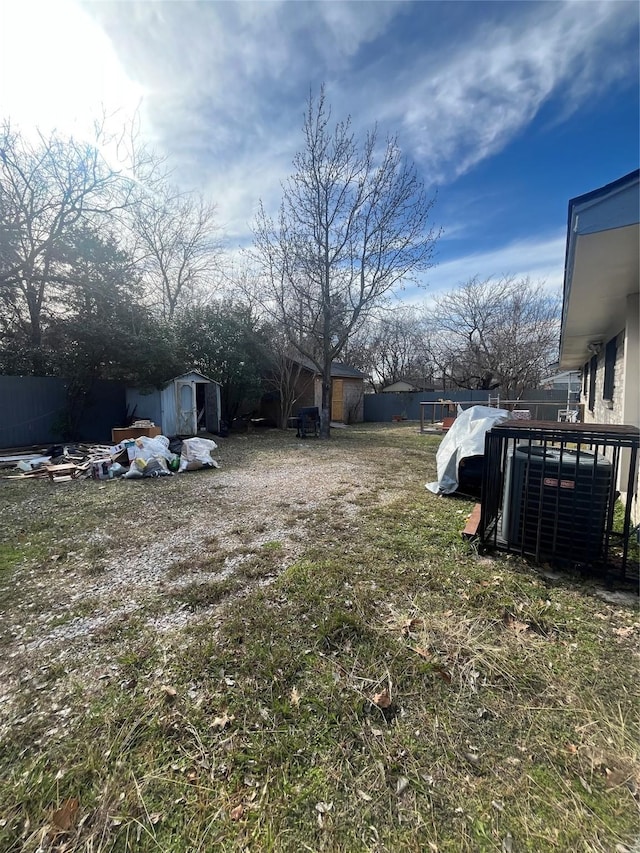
549 490
556 502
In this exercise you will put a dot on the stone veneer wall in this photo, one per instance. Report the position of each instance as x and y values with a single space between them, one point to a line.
607 411
613 411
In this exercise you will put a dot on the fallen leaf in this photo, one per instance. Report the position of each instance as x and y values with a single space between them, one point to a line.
155 817
382 699
230 682
364 796
64 817
294 698
170 693
624 632
401 785
422 652
442 672
237 812
498 805
222 721
572 748
615 778
510 621
472 758
411 625
323 808
507 843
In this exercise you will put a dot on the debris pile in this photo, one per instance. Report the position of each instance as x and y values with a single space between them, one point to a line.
131 459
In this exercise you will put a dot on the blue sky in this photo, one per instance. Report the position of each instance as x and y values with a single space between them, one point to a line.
508 109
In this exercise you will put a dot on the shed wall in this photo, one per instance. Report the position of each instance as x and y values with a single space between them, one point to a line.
212 407
169 409
353 404
141 405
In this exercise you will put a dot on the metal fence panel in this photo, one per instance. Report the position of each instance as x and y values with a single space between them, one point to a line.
383 407
32 410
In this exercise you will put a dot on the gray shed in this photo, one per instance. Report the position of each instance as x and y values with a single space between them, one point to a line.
185 405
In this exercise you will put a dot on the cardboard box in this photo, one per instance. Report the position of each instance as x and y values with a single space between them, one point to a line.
119 434
100 469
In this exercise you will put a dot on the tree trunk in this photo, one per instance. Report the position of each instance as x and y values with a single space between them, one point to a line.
325 412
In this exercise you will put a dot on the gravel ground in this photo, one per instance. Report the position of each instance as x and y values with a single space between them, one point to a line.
69 607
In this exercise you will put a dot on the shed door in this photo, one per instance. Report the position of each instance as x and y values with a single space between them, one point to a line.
186 405
337 400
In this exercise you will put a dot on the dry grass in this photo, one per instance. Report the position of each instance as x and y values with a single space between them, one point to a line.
298 652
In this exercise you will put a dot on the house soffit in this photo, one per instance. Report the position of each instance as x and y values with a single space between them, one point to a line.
601 266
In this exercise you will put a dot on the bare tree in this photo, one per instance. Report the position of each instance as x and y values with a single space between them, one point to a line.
353 224
48 188
496 333
399 349
285 375
178 245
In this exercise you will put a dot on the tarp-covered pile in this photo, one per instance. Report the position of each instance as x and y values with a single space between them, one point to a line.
464 440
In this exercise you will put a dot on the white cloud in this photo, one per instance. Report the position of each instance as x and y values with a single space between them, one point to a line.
541 258
226 82
471 98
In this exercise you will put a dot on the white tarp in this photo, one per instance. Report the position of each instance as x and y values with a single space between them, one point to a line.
464 439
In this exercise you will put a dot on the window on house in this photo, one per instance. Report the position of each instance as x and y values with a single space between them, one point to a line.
593 369
609 369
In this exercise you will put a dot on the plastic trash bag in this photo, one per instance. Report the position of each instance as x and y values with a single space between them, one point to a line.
464 439
134 472
196 453
156 467
147 448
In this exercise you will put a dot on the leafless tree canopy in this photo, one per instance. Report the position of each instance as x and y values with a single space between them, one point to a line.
396 343
497 333
353 224
177 244
48 189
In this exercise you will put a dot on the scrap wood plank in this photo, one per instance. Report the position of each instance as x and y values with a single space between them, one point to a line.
473 522
60 472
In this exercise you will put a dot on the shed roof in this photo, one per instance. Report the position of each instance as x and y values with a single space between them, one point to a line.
203 378
338 370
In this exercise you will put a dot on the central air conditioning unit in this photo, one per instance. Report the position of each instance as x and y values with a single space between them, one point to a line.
556 502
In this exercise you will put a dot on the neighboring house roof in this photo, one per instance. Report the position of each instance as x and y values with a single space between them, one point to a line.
601 266
400 385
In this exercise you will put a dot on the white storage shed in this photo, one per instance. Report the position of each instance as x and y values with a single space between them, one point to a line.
186 405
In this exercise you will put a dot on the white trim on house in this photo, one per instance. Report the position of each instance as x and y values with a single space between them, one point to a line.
600 330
